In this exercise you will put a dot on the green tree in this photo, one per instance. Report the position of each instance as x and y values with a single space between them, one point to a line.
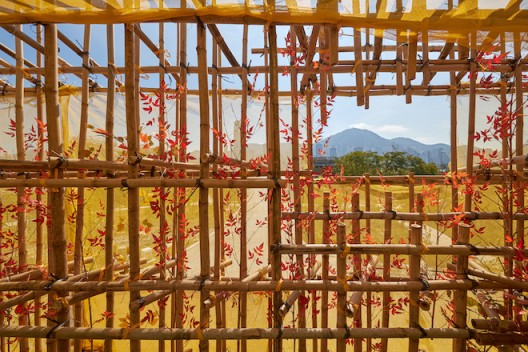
391 163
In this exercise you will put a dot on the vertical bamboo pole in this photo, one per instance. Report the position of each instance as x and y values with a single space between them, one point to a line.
110 193
55 147
453 142
311 202
164 226
368 230
360 94
203 201
275 202
326 267
471 125
399 66
460 296
356 239
39 212
519 150
341 294
386 269
180 193
243 192
412 49
412 183
79 221
414 274
133 172
301 316
2 313
21 155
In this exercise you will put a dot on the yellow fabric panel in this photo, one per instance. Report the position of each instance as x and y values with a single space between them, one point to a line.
464 18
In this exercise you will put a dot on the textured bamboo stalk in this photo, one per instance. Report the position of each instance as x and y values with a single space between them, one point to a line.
110 192
386 269
56 147
368 230
499 325
414 296
490 282
501 339
341 294
203 192
21 155
275 202
228 334
460 296
359 67
410 74
357 263
326 267
133 149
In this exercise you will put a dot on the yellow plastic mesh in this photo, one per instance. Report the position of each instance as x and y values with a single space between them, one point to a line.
418 15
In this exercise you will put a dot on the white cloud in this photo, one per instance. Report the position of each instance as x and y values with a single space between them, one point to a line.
384 129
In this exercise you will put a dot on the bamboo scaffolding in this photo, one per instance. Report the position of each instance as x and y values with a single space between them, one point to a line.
227 334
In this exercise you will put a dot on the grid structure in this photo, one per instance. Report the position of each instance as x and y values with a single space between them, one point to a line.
313 264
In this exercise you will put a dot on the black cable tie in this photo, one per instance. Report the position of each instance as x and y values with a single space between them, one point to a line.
202 282
4 88
61 160
89 68
162 66
48 286
279 336
425 63
394 213
422 330
198 183
124 183
276 248
53 329
277 184
425 283
471 333
360 214
138 160
398 59
474 284
429 90
152 171
474 249
347 332
285 304
141 302
487 173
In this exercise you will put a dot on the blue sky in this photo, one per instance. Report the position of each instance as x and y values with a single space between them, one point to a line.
426 119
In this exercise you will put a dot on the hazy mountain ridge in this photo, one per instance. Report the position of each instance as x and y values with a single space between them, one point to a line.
355 139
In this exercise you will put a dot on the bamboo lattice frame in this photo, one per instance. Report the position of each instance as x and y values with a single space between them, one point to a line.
456 34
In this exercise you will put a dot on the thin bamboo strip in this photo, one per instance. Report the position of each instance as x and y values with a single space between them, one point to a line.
133 149
228 334
414 296
387 235
359 68
326 269
203 201
55 146
341 294
21 155
110 192
357 263
275 201
491 281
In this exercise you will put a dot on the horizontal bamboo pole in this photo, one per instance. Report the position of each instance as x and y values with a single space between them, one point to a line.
28 275
286 285
499 325
501 339
512 283
401 216
397 249
145 182
227 334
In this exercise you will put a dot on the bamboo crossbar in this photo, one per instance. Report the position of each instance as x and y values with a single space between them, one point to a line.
271 285
228 334
407 216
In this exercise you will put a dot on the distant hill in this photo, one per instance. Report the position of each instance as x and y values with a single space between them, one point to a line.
355 139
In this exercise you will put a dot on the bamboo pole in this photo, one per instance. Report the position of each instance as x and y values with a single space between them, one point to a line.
2 268
244 123
55 147
387 235
471 130
326 268
133 149
414 296
357 263
21 155
203 192
110 192
368 230
460 297
227 334
341 294
359 67
410 75
499 325
275 202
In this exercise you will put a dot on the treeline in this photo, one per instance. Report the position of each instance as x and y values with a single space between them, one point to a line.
391 163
